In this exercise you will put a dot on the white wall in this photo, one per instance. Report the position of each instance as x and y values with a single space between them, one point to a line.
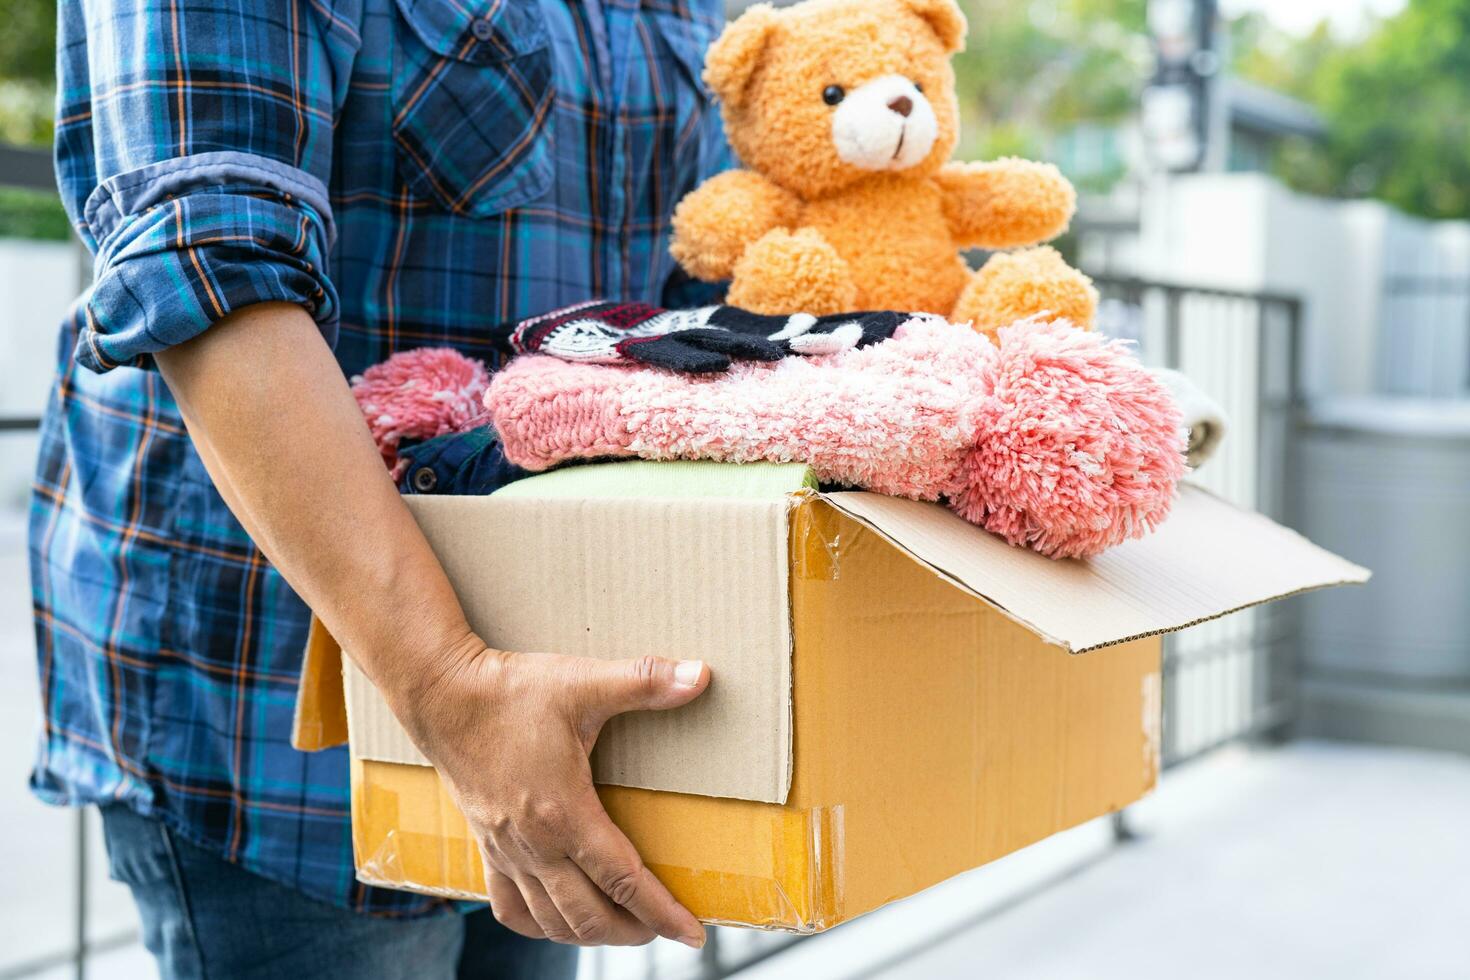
1424 340
1248 232
38 281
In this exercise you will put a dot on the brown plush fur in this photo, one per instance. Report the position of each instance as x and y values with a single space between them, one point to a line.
801 229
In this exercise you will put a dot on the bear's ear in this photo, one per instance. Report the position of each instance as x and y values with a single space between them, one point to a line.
945 18
731 61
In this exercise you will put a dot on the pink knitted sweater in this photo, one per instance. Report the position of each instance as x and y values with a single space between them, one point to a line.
1057 439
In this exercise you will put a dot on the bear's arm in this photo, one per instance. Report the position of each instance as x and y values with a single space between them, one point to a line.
1005 204
715 223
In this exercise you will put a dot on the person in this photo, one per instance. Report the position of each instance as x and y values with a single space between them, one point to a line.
279 194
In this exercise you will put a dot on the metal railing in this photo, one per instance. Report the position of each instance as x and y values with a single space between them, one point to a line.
83 945
1222 681
1233 678
31 169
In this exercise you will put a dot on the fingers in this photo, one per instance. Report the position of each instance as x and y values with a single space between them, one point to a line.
559 903
544 911
520 903
610 687
556 866
508 907
610 861
592 916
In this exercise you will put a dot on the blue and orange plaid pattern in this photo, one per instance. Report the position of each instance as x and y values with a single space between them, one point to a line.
411 172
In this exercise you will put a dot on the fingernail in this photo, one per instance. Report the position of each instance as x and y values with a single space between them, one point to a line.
693 942
686 672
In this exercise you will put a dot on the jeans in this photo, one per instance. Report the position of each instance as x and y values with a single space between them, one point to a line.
204 917
469 463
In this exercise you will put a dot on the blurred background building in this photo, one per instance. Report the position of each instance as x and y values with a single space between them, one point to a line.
1276 199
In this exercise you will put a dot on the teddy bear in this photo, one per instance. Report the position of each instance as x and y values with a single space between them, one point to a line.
844 115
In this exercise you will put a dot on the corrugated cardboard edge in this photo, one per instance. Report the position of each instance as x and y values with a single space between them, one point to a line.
1214 616
1350 574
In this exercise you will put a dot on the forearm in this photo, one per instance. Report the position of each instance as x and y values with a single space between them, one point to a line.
271 415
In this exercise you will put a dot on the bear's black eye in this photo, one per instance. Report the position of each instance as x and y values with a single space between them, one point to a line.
919 88
833 94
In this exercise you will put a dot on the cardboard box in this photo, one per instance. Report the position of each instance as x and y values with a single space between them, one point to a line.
897 695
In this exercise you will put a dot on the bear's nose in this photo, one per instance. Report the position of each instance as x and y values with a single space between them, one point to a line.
903 105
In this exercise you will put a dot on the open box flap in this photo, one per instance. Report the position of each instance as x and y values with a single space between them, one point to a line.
1208 559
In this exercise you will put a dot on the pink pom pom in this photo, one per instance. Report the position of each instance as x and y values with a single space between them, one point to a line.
1057 439
419 394
1078 447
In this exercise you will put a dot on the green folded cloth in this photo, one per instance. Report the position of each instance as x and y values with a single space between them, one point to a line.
677 479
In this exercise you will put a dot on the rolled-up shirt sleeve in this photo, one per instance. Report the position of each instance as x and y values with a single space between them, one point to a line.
194 163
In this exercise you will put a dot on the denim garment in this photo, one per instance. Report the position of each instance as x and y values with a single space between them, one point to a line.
468 464
204 917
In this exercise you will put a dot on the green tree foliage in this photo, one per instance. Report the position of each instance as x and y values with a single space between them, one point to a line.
32 214
27 70
1279 61
28 40
1397 104
1033 68
27 97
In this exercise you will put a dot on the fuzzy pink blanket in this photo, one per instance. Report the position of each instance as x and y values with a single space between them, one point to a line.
1057 439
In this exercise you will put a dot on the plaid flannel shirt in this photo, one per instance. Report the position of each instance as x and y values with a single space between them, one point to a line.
410 172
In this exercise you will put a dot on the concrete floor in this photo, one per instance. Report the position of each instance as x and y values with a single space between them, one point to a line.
1316 860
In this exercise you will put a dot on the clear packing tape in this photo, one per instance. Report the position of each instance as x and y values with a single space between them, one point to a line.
779 867
931 735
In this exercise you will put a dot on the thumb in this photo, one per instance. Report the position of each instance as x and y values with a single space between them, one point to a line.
642 684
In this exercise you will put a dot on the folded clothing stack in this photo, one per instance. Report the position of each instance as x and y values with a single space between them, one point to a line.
424 406
1056 439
